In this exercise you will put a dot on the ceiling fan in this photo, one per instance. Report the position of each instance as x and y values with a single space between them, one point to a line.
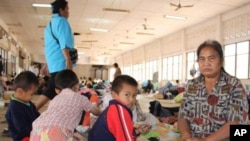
145 26
179 6
127 35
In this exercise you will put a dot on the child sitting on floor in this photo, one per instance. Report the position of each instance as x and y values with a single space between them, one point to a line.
21 111
64 112
115 122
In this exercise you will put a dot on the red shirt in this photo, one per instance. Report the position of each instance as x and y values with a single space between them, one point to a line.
120 123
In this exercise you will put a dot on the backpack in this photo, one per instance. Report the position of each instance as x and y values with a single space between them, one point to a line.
1 90
157 110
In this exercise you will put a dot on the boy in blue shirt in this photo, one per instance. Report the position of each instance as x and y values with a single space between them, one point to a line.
21 111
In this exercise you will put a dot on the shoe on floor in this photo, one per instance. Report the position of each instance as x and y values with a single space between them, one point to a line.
5 133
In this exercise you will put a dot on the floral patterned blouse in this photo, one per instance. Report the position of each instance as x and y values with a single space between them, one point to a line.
205 112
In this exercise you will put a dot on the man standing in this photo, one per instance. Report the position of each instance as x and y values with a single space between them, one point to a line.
117 70
58 39
1 65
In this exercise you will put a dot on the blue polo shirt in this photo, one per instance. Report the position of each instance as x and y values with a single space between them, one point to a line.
53 51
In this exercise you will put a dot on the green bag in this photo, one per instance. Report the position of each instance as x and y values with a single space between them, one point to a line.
178 98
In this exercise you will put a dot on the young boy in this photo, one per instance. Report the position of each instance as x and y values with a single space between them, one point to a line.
21 111
115 123
64 112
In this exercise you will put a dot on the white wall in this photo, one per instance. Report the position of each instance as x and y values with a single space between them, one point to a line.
90 71
84 70
230 27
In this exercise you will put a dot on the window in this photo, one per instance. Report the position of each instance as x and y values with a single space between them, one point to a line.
229 52
137 72
4 55
127 70
176 68
242 60
151 68
237 59
191 63
13 65
164 68
172 68
180 67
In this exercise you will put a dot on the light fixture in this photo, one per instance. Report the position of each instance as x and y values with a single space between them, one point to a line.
98 29
81 53
127 43
116 10
175 17
143 33
41 5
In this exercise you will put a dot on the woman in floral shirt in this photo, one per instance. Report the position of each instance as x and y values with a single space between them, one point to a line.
213 101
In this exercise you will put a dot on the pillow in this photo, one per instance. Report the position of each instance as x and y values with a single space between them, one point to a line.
145 83
155 85
168 84
178 98
247 87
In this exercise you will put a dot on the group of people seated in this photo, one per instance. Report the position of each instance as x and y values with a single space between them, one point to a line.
93 83
84 82
211 103
64 112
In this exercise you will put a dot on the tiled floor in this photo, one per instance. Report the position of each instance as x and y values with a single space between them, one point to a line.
3 125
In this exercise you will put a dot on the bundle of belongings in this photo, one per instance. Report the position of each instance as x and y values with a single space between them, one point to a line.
169 91
166 115
100 85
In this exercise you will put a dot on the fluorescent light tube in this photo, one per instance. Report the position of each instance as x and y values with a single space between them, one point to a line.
175 17
128 43
115 10
98 29
89 41
41 5
142 33
81 52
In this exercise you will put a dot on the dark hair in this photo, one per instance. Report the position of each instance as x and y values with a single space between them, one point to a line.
216 46
121 79
115 64
25 80
57 4
66 79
